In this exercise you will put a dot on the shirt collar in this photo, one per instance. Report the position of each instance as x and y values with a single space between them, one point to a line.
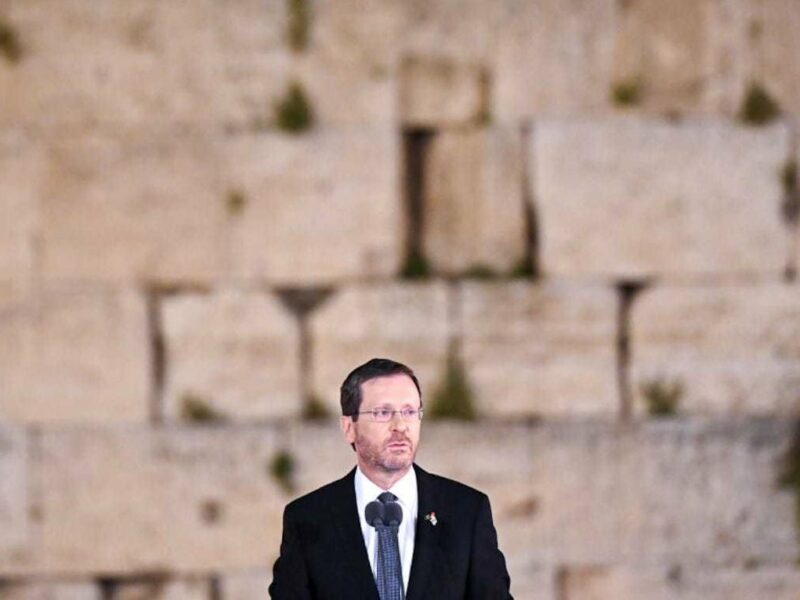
404 488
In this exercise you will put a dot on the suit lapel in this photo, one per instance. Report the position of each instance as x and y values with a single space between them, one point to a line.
353 551
426 538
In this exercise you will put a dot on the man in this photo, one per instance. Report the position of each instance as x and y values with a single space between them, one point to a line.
429 538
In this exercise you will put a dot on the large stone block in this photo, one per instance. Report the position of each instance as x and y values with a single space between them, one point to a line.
553 57
673 583
50 590
134 209
20 170
317 208
15 525
587 494
405 322
236 350
666 493
473 205
732 349
75 354
634 198
206 64
128 500
540 349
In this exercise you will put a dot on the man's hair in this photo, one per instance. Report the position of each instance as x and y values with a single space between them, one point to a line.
350 393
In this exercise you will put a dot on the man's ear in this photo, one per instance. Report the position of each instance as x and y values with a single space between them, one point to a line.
348 429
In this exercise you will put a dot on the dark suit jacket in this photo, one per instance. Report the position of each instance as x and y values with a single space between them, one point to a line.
323 555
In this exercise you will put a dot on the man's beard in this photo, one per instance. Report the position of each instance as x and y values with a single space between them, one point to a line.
381 457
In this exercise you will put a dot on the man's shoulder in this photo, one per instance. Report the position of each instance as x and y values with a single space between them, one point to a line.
450 488
323 496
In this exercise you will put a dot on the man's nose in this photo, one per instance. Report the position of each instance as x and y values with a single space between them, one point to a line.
398 422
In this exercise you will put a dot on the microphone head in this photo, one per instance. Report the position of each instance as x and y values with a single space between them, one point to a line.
392 513
374 513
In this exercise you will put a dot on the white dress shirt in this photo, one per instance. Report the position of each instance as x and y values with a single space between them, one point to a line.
406 491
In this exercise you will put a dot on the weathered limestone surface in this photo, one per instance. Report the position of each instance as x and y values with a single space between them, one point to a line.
318 208
405 322
772 33
540 349
667 51
733 349
794 213
729 61
15 525
499 462
628 197
176 589
553 57
534 584
464 30
321 454
74 354
583 494
675 583
50 590
237 350
436 92
20 168
474 211
206 64
349 68
661 493
245 585
123 500
578 494
127 209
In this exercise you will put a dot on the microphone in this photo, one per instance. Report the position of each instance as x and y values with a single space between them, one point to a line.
387 514
374 513
392 513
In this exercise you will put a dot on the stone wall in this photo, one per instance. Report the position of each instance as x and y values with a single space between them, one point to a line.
580 218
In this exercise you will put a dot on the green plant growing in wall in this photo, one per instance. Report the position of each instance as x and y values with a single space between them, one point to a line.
482 272
627 92
758 107
416 266
453 399
791 193
789 474
315 409
282 470
198 409
10 46
789 177
299 14
523 269
236 202
293 114
662 397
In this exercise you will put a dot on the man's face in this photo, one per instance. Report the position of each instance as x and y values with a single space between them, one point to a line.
387 447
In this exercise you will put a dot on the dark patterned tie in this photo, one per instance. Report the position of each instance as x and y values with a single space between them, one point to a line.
390 575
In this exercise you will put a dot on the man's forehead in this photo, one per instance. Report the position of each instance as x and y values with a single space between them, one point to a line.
387 388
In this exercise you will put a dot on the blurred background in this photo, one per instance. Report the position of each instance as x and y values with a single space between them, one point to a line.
577 220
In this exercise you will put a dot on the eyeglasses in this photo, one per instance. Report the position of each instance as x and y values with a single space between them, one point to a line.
384 415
